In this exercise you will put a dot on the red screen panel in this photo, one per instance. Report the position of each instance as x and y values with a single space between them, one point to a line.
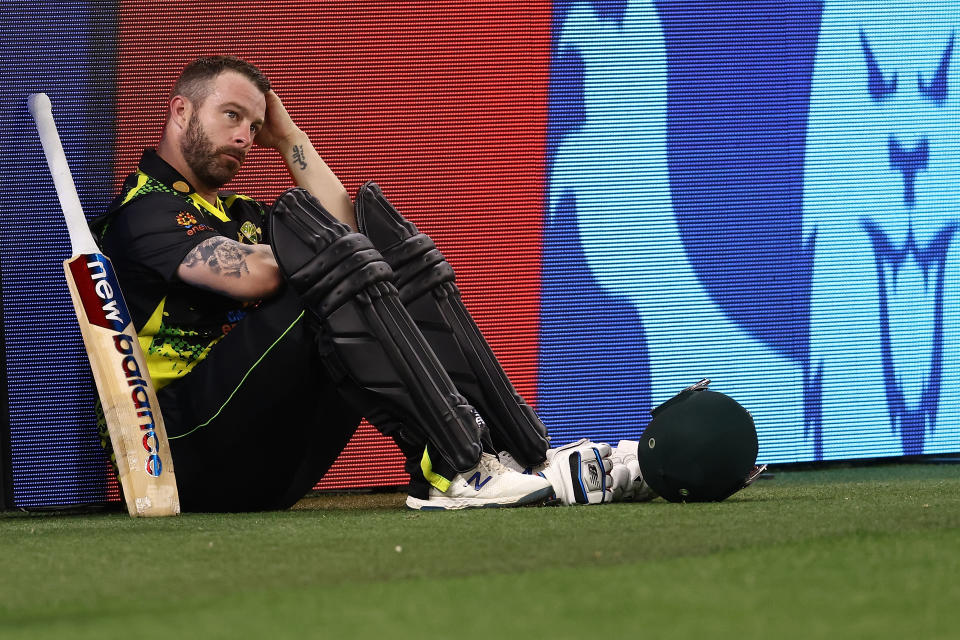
444 104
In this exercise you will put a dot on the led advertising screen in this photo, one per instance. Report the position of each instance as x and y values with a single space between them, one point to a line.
635 195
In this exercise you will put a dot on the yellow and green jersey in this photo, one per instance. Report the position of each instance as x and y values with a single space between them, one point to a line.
155 221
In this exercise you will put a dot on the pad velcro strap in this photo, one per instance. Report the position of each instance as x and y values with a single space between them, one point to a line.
417 263
317 227
328 286
419 266
343 262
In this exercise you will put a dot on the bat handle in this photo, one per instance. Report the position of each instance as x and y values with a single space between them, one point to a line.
81 239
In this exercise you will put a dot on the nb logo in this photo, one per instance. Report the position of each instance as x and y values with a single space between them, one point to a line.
475 481
594 480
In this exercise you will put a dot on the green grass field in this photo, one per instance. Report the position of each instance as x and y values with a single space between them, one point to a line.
859 552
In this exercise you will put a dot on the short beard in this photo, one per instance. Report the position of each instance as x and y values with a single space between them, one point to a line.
203 159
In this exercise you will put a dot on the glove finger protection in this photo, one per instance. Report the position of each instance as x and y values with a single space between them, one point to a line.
580 472
627 478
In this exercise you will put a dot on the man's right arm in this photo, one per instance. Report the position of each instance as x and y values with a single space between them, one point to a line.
239 271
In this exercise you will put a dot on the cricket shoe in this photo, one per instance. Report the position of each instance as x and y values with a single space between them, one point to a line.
489 484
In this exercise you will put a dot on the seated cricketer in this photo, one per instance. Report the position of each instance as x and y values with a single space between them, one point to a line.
270 332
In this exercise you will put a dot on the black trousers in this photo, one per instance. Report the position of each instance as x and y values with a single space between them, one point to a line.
257 423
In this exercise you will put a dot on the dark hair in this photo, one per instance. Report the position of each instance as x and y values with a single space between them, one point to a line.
195 79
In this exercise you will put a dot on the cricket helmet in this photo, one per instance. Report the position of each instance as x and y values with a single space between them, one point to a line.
700 446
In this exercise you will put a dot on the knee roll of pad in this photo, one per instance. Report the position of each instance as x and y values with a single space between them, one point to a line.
369 343
427 288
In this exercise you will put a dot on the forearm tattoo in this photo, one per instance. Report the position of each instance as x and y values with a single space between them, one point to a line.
298 156
222 256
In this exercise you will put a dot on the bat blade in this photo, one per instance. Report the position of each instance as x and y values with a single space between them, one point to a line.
126 391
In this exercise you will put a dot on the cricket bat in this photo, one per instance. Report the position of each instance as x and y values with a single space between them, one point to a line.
123 382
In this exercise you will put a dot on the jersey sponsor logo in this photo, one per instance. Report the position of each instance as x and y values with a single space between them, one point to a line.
236 315
189 222
185 219
233 317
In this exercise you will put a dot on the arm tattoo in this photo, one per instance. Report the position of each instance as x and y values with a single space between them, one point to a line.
298 156
221 255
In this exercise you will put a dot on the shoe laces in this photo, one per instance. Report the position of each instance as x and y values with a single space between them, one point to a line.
492 464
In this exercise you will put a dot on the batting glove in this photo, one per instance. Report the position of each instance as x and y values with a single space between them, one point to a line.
628 484
580 472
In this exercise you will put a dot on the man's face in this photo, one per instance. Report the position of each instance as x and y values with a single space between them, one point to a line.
221 129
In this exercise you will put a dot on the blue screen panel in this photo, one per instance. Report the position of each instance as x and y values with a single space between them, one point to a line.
762 194
66 51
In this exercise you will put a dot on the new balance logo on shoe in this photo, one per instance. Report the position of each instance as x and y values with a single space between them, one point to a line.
475 481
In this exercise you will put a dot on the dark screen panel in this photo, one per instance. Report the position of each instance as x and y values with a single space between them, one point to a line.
65 50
